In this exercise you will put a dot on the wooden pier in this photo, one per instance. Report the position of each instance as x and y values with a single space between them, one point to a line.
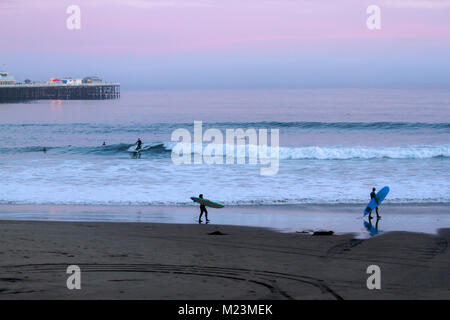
40 91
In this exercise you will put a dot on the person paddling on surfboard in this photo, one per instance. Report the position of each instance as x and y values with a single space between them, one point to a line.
373 194
202 209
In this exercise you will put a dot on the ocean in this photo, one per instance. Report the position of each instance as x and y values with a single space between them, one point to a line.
335 145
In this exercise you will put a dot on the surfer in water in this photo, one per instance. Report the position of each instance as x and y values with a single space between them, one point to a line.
138 144
373 194
202 209
137 151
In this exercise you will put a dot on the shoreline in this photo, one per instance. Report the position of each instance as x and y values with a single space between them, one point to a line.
281 218
214 262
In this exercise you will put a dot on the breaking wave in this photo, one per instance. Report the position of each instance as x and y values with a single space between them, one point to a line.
285 153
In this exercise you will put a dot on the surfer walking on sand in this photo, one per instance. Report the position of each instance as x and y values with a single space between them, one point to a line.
202 209
373 195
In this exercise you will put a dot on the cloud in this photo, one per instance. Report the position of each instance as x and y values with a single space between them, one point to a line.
418 4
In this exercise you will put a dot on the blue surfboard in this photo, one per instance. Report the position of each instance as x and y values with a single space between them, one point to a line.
381 195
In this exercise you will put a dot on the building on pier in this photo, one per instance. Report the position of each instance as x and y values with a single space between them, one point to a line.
66 88
5 79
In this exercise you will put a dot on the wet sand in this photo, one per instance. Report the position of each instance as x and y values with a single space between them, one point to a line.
181 261
341 218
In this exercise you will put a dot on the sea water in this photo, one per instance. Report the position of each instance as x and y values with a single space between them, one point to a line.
335 145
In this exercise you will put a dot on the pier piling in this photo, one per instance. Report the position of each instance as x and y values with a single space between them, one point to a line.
23 92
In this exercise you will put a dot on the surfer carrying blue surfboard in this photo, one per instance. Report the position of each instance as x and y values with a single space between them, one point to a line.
373 195
202 209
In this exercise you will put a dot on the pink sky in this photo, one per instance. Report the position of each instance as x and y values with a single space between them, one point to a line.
225 28
162 27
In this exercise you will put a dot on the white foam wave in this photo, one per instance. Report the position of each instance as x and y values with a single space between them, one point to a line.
343 153
338 153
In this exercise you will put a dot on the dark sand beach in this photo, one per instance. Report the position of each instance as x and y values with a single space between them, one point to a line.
181 261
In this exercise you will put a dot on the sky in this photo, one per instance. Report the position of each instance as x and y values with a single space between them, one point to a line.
190 44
